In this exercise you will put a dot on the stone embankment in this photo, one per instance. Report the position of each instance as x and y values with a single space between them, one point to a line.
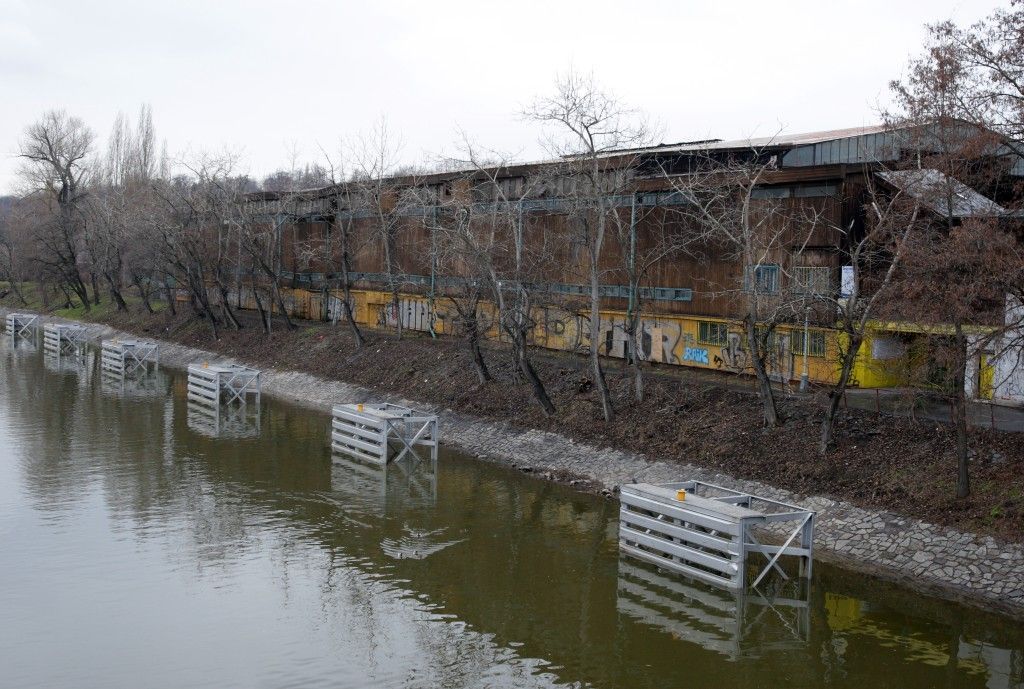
944 562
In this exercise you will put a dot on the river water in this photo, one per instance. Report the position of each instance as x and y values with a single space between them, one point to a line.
143 544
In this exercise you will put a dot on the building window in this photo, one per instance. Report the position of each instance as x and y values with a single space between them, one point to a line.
763 279
712 333
815 343
811 280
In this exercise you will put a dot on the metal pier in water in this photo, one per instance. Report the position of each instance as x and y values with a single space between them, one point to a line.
708 532
125 357
382 433
212 383
22 325
63 339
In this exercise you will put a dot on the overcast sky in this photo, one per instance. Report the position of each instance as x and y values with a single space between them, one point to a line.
268 78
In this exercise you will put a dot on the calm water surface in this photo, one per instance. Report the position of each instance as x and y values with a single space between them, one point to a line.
143 544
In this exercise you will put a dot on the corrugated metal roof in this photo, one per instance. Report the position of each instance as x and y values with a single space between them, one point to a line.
943 194
774 141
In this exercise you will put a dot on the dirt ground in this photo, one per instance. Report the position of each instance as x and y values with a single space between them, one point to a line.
893 463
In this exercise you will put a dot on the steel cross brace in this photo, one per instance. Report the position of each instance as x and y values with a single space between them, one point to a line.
138 363
778 554
238 393
24 327
408 444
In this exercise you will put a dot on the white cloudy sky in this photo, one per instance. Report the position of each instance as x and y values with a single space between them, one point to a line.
272 77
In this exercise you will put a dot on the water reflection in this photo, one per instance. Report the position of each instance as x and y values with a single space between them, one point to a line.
732 623
27 344
78 360
139 384
233 420
138 552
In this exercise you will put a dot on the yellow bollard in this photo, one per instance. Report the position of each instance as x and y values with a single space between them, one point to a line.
359 407
681 495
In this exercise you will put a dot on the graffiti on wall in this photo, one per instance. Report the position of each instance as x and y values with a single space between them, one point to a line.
414 314
698 355
733 355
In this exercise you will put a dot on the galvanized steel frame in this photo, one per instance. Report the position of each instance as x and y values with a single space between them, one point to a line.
212 383
59 338
24 325
125 357
709 535
382 433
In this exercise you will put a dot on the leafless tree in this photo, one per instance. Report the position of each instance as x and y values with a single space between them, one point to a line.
499 247
736 221
54 153
587 124
953 107
198 214
874 252
377 189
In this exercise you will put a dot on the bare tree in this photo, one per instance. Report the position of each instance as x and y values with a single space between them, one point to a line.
952 152
15 254
874 252
646 236
454 226
500 248
54 153
377 189
758 232
198 214
589 124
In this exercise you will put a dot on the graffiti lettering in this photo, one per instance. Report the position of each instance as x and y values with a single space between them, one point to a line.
698 355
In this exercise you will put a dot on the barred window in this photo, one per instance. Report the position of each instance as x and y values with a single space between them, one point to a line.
811 280
815 343
712 333
761 278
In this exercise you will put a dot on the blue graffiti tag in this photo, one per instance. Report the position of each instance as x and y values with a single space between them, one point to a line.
697 355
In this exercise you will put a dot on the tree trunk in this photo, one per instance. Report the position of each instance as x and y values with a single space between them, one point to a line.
143 293
115 293
83 294
533 379
595 343
171 306
264 316
963 479
95 288
836 395
632 328
225 307
473 339
284 310
346 289
764 383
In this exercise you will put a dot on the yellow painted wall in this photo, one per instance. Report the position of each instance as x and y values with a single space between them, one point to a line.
665 339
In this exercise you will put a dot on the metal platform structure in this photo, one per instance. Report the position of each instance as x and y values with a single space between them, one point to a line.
382 433
126 357
64 339
212 384
735 624
23 325
712 532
